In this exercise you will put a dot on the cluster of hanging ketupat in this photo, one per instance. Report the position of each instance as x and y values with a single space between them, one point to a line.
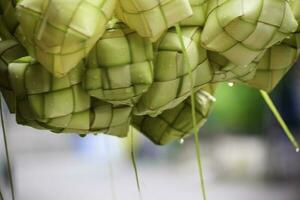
101 66
104 66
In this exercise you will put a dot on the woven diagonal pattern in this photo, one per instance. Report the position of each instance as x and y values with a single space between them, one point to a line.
198 18
100 118
295 5
172 82
61 104
152 17
60 33
224 70
48 97
8 18
175 124
119 67
241 29
276 62
10 50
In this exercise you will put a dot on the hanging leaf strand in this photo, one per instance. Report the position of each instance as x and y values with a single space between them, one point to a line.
7 152
193 109
1 196
280 120
133 160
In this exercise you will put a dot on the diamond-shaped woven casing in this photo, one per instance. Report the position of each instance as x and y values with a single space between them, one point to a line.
100 118
61 104
276 62
172 83
10 50
224 70
242 29
48 96
60 33
8 18
152 17
119 67
176 123
198 18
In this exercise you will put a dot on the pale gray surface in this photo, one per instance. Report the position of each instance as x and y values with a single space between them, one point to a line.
51 167
48 177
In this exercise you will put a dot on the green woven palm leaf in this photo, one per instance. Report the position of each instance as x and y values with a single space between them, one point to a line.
152 17
48 96
10 50
224 70
60 33
8 19
295 5
276 62
198 18
100 118
176 123
61 104
119 67
172 83
242 29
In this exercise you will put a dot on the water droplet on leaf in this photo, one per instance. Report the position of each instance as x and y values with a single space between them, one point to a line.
181 141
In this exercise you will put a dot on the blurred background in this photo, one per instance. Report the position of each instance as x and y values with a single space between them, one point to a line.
245 155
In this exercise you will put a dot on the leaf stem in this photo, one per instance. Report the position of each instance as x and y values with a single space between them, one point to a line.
195 129
1 196
133 160
7 151
280 120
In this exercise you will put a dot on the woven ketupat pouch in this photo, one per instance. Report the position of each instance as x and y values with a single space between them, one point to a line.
176 123
241 30
152 17
119 67
275 63
172 83
59 34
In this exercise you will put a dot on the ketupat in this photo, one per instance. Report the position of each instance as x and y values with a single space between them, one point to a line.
198 18
59 34
117 78
275 63
119 67
152 17
172 83
101 117
10 50
279 59
175 123
48 96
272 65
241 29
61 104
